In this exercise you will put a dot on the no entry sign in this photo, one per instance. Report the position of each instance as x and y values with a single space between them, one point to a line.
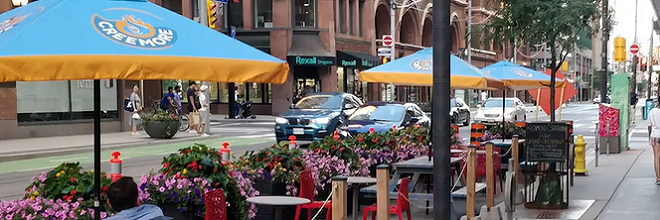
634 48
387 40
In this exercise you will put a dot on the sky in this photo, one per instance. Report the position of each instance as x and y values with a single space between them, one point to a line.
625 27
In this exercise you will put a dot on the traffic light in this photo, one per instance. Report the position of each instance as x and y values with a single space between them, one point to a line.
564 66
211 12
620 49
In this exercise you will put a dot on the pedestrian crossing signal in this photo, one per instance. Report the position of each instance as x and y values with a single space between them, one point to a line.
212 13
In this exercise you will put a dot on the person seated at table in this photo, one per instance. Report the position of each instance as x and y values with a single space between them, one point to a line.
123 198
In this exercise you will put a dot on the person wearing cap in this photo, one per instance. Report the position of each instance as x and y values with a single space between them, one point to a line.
204 110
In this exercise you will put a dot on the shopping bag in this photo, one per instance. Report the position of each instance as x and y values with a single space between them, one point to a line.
195 118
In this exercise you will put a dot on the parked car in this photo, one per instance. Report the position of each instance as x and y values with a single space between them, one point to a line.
490 112
382 116
459 111
316 116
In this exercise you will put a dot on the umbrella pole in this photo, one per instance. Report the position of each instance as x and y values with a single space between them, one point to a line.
97 149
561 100
503 112
538 103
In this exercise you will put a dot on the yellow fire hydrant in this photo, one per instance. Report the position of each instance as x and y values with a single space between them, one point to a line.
580 157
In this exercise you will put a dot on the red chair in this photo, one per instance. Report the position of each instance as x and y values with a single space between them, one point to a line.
481 167
216 207
307 192
402 203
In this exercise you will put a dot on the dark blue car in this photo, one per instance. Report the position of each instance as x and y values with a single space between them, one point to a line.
382 116
315 116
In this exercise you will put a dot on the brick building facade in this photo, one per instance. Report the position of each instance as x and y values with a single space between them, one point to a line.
326 42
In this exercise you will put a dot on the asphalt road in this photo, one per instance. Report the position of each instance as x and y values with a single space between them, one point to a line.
243 137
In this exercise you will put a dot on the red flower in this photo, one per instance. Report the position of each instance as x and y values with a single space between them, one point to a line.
360 139
372 130
27 189
166 165
73 192
103 189
215 170
342 149
73 179
216 184
333 147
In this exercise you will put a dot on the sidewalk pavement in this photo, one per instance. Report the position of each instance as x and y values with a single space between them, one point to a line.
28 148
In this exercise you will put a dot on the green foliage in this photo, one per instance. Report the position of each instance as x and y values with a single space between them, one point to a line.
281 163
159 115
507 131
67 182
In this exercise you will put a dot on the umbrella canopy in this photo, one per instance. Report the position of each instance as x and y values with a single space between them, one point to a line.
542 96
123 39
417 69
517 77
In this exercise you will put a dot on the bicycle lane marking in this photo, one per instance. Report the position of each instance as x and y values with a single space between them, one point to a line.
162 149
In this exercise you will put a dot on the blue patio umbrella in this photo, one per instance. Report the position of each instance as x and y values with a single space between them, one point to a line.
121 39
518 77
417 69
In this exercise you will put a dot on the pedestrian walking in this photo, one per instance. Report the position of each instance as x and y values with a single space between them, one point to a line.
135 120
204 110
177 98
193 101
654 127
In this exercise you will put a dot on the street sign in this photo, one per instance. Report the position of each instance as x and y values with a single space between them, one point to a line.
384 52
388 40
634 49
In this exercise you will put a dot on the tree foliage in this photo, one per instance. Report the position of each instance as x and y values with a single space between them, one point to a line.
553 22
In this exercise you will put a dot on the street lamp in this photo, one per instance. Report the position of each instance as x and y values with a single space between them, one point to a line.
18 3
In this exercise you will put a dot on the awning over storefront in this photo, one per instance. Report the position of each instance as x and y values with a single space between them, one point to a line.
356 60
307 50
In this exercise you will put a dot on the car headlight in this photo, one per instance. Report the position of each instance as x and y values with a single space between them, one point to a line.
321 120
280 120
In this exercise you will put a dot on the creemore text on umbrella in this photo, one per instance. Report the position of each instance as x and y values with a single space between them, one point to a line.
134 28
423 65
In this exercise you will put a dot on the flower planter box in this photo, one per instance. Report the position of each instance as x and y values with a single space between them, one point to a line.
161 129
170 210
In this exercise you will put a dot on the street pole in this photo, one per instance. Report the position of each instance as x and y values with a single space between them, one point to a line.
393 47
604 38
201 6
469 38
440 122
230 86
635 58
649 62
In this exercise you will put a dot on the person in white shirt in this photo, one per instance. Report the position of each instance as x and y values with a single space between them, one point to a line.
204 110
484 96
654 128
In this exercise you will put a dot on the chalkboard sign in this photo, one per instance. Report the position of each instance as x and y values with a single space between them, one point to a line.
547 142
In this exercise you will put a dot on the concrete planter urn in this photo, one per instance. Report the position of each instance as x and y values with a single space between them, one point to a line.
161 129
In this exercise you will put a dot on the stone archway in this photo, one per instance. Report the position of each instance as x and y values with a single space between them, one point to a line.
382 20
427 32
454 39
408 30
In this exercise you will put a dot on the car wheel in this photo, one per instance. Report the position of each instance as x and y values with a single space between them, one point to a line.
525 117
515 118
454 119
467 120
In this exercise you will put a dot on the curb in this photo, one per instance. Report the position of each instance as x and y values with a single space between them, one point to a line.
24 155
243 120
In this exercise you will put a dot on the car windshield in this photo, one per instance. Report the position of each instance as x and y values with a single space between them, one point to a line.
320 102
491 103
452 102
392 113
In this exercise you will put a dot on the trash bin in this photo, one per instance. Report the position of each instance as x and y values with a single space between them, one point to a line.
647 108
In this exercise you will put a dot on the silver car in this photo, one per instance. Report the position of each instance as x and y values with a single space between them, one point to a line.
491 111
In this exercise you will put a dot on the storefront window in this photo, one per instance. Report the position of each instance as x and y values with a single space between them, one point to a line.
305 13
175 6
342 16
64 100
256 92
360 8
223 92
269 94
351 83
263 12
351 16
236 14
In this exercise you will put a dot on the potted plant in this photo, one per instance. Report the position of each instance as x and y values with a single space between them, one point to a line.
178 197
201 163
68 183
40 207
161 124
